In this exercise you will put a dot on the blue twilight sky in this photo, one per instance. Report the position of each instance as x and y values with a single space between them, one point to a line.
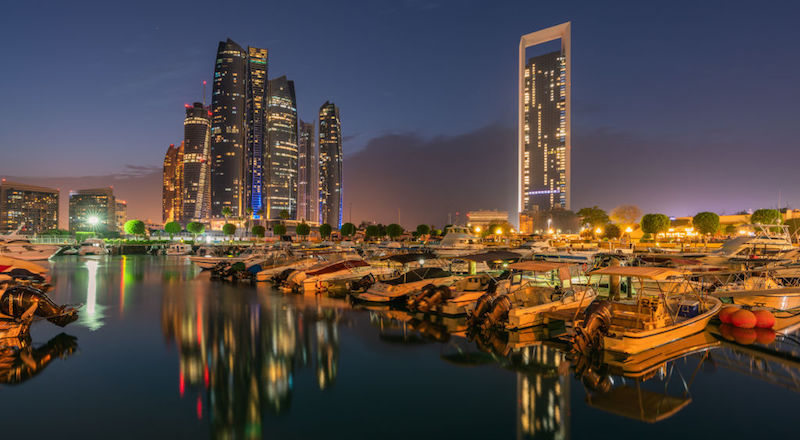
677 106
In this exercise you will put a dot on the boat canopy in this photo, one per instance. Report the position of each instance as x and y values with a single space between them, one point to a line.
645 272
539 266
411 257
419 274
491 256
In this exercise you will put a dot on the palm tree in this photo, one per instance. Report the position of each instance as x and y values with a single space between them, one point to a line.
226 212
249 212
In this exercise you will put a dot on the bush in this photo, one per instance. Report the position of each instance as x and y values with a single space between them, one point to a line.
134 227
394 230
259 231
612 232
325 230
279 230
172 228
303 229
229 229
196 228
348 229
706 222
423 230
372 231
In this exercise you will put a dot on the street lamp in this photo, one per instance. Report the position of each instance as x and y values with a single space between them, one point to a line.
93 220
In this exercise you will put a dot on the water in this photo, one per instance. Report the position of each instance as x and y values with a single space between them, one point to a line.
160 351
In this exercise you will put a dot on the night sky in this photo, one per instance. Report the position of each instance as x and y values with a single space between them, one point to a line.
677 106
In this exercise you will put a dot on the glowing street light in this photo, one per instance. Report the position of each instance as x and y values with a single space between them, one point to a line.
498 231
477 229
598 231
628 229
93 220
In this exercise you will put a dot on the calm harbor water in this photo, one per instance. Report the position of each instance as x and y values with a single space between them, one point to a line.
160 351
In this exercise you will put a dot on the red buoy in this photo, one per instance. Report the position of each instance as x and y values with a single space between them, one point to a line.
764 318
765 336
726 312
743 319
744 336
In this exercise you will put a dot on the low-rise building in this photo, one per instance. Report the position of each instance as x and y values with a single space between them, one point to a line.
483 218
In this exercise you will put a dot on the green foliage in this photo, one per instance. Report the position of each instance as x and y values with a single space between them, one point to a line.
593 217
226 211
423 229
81 236
394 230
625 214
325 230
730 229
611 231
229 229
172 228
196 228
259 231
655 223
56 233
348 229
279 230
284 214
436 232
794 225
766 217
372 231
705 222
303 229
134 227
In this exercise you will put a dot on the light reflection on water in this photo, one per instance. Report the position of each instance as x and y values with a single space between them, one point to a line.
247 362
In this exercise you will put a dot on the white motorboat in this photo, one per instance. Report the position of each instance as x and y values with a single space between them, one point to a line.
209 260
457 241
405 285
23 249
93 246
297 264
321 277
179 249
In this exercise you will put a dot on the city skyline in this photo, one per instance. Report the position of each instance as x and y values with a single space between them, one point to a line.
623 135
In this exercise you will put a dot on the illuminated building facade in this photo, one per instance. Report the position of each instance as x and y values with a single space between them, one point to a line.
281 166
307 173
35 206
172 184
195 195
330 165
92 210
228 134
544 122
257 106
484 218
121 215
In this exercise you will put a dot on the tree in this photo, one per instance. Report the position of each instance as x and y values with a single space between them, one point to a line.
249 212
229 229
284 214
372 231
226 212
730 229
259 231
279 230
303 229
612 231
626 214
766 217
794 226
134 227
325 230
655 224
172 228
423 229
593 217
705 223
394 230
348 229
196 228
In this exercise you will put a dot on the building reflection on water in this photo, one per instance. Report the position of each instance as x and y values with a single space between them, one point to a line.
542 397
239 353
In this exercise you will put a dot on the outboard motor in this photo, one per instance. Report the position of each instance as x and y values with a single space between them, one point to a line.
17 300
282 276
435 298
498 312
596 321
427 290
363 284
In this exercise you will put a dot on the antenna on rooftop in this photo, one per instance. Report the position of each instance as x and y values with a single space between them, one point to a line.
204 94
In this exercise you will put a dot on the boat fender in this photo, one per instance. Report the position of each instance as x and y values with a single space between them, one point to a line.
743 319
764 318
726 312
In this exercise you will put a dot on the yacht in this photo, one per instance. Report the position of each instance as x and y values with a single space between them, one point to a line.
179 249
207 260
22 248
405 285
457 241
93 246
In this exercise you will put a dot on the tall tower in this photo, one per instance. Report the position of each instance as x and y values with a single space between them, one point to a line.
196 188
330 165
171 190
544 122
228 136
281 168
307 173
257 102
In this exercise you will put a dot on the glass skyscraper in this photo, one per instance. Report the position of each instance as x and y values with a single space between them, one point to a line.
330 165
228 134
281 165
307 173
172 184
257 105
196 173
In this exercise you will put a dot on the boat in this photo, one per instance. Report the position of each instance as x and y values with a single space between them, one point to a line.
319 278
23 249
644 308
207 260
179 249
458 240
406 284
267 273
531 294
93 246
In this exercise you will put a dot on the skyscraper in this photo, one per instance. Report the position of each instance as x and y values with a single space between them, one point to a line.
172 184
544 122
281 166
307 174
228 134
330 165
257 102
34 206
92 210
196 173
